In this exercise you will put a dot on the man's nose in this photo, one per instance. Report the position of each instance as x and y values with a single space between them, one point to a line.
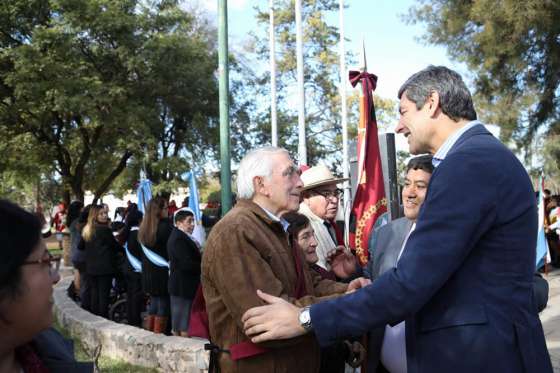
400 127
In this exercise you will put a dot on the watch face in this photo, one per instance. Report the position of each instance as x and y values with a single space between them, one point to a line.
304 317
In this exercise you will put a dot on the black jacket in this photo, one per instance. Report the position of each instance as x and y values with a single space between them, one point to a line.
154 278
184 259
101 252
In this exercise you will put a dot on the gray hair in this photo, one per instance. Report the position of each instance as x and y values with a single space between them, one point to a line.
455 99
257 162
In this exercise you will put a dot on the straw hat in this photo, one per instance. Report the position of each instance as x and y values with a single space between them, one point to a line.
317 176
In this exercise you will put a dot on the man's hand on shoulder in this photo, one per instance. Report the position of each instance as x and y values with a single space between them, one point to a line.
278 319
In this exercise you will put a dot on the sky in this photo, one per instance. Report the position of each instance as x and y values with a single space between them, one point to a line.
393 49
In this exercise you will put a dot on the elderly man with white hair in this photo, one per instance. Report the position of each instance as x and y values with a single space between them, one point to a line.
248 250
320 206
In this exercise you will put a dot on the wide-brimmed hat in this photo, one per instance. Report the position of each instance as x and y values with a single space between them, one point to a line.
317 176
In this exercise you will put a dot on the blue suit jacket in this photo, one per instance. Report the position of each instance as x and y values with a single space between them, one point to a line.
464 281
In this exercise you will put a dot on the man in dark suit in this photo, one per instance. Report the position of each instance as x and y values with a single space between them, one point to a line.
464 281
387 344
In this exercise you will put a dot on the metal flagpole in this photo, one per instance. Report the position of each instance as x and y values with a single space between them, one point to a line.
273 122
225 172
344 120
302 147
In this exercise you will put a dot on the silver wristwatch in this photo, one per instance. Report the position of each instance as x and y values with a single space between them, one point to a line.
305 319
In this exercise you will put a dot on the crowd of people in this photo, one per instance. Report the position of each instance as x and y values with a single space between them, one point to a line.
448 287
151 256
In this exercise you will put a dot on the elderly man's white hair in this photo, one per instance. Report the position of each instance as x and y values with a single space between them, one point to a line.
257 162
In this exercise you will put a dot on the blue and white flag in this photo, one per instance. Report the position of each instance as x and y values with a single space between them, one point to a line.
543 255
144 194
199 233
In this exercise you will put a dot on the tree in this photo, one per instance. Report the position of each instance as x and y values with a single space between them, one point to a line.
513 50
321 77
97 82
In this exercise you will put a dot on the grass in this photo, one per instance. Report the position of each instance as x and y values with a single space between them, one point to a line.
104 364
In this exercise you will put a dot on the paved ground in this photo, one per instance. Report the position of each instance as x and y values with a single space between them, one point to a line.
550 318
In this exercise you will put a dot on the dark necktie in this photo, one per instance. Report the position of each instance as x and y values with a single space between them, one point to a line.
331 231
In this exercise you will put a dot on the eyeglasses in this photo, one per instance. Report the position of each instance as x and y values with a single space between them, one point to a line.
52 260
328 194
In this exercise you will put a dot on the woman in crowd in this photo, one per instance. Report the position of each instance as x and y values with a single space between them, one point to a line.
79 261
72 222
133 268
302 237
27 275
184 278
153 235
101 258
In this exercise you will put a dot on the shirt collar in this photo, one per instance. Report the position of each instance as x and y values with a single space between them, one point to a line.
282 221
441 153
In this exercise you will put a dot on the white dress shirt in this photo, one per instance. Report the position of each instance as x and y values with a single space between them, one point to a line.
393 349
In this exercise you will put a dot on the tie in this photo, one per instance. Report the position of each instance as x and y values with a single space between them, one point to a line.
331 231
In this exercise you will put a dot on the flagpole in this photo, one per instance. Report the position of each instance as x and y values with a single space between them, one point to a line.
344 120
225 172
302 147
273 122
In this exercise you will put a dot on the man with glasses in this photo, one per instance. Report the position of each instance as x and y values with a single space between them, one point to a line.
320 206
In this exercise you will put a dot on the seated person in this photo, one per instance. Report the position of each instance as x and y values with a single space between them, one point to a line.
27 275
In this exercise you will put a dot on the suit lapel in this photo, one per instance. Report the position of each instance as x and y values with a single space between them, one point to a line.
394 244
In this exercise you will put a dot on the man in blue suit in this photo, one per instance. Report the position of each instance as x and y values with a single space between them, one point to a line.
464 281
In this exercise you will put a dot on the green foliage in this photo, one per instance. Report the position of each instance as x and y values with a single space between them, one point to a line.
512 49
101 83
551 156
321 76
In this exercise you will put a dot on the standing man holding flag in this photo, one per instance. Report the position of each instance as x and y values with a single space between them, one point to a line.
464 281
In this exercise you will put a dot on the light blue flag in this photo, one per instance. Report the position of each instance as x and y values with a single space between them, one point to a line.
144 194
198 234
542 244
193 195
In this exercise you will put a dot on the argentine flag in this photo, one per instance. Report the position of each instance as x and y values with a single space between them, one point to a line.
199 233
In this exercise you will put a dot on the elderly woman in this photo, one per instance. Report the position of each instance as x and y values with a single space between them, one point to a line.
27 275
302 237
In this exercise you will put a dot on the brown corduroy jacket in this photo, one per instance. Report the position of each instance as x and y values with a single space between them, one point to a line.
246 251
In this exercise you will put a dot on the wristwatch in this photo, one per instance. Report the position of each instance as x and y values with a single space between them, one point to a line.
305 319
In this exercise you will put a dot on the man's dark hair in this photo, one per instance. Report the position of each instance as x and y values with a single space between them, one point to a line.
422 162
181 215
20 233
455 99
73 212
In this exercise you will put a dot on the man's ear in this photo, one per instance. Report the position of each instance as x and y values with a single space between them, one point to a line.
433 103
258 185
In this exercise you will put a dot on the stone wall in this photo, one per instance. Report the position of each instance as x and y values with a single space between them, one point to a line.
128 343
